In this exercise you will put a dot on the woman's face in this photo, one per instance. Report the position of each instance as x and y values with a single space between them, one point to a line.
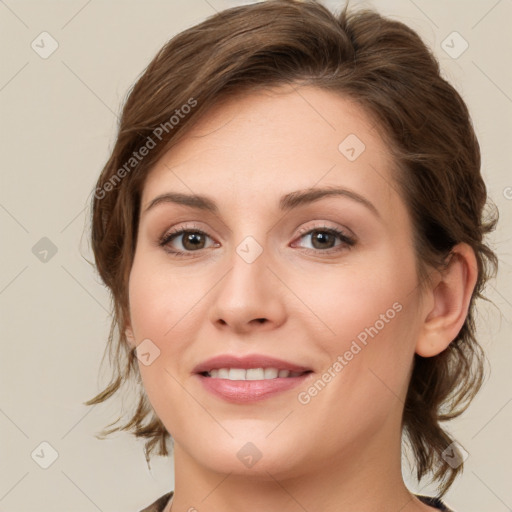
273 266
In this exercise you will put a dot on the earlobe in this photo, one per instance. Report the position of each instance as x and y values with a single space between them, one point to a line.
450 297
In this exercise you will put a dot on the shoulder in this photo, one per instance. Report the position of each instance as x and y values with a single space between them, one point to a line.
434 502
159 504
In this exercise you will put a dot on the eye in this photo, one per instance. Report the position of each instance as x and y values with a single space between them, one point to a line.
326 239
183 241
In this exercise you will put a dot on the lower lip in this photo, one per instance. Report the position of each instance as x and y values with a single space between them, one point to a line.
243 391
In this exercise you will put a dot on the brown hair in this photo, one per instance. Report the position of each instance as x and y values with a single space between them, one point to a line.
385 67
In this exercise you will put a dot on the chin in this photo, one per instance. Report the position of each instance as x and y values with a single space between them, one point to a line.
246 455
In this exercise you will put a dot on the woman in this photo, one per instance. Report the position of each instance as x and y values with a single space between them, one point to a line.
290 224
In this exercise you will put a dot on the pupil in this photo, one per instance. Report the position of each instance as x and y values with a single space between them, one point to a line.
322 237
194 239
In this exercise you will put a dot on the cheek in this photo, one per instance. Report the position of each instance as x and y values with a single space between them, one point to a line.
355 302
156 305
162 302
372 318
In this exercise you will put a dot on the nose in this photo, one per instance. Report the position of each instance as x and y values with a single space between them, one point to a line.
249 297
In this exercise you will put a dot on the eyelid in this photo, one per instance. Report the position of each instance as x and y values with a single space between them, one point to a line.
322 225
183 227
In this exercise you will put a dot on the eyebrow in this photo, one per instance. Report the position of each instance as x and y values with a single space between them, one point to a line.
287 202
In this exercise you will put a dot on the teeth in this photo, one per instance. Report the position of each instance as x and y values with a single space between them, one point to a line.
251 374
271 373
222 373
237 374
255 374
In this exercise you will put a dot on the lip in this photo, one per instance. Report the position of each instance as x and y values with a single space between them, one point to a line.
245 391
247 362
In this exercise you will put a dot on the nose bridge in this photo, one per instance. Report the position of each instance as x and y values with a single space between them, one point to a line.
247 278
248 292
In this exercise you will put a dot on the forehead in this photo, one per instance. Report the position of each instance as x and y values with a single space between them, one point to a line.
269 143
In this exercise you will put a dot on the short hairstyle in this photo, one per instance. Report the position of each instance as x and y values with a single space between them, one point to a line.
384 67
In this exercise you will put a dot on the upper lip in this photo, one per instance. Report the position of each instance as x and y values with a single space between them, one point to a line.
246 362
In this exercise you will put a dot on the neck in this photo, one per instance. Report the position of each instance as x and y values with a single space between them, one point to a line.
365 477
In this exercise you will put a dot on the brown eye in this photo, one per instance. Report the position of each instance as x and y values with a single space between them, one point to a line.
193 240
323 239
185 241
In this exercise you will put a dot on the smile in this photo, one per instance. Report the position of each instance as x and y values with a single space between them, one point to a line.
251 374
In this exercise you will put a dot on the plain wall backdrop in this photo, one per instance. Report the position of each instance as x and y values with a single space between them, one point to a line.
59 108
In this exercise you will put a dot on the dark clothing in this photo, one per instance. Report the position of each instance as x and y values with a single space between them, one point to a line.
161 502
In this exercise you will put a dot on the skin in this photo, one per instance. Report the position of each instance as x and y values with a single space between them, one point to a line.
340 451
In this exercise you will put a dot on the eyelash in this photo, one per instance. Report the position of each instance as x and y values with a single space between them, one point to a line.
346 241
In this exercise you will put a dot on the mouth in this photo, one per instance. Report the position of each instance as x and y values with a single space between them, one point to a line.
252 373
249 378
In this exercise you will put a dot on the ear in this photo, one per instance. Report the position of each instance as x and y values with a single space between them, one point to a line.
448 302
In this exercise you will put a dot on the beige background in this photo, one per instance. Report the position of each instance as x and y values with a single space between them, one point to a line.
58 124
